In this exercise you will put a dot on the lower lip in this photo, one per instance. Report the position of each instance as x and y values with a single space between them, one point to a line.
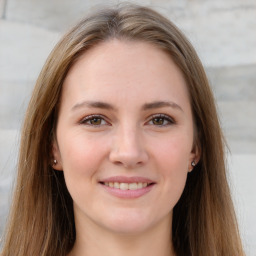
128 193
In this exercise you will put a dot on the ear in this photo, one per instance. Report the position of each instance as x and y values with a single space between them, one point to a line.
194 157
56 161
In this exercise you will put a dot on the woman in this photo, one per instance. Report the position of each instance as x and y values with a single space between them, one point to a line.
122 151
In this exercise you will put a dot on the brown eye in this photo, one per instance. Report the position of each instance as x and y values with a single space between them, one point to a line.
94 120
161 120
158 121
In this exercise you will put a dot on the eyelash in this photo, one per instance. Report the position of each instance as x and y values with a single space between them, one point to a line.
91 117
165 118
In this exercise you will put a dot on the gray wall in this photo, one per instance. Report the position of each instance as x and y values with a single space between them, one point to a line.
224 34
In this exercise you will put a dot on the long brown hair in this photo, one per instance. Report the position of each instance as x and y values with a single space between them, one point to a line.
41 220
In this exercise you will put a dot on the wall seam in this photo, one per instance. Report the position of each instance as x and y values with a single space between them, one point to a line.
4 10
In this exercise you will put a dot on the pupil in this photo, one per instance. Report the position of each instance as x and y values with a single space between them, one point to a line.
95 121
158 121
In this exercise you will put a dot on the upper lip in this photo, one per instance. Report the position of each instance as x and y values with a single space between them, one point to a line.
124 179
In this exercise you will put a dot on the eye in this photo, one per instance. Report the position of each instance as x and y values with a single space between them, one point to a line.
94 120
161 120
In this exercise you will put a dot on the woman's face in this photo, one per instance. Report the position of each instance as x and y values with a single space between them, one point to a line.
124 137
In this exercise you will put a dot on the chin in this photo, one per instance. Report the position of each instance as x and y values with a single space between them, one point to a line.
129 228
129 223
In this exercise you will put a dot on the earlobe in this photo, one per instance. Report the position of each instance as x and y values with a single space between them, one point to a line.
56 159
194 158
191 165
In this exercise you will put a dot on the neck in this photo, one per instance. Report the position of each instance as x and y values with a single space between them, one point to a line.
93 240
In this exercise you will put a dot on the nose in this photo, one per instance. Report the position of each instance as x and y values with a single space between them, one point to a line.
128 149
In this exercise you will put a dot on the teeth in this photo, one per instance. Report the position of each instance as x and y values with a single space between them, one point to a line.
140 185
126 186
133 186
116 185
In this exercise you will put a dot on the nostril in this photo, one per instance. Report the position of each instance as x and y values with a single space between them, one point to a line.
118 162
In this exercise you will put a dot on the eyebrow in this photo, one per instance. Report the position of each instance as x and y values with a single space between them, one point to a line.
107 106
161 104
93 104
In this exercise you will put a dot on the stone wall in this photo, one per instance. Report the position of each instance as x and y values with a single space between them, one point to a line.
223 32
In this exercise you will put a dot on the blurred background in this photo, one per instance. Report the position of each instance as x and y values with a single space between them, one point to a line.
224 35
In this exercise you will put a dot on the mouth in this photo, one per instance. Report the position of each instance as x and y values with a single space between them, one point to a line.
127 187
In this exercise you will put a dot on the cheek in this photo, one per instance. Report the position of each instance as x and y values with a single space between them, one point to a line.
81 157
175 152
173 162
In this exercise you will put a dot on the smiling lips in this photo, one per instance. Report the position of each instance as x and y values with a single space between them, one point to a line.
127 187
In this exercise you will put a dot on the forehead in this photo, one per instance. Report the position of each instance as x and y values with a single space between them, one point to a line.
125 69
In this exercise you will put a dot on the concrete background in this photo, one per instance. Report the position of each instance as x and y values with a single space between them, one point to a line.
224 34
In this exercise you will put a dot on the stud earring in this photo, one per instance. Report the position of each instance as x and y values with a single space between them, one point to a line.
54 161
193 163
